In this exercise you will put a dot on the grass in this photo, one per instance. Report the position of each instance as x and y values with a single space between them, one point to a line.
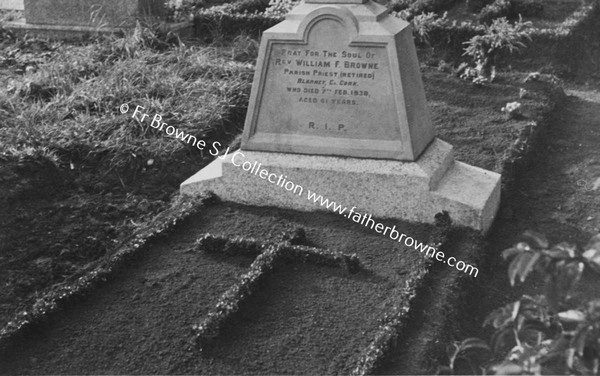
76 175
75 181
69 103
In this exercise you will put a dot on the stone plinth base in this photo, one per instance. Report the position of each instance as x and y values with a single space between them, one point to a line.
413 191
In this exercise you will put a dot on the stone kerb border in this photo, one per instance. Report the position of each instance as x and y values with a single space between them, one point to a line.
269 257
61 297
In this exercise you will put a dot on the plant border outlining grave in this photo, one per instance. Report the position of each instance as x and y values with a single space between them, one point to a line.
61 297
270 256
249 16
453 290
395 320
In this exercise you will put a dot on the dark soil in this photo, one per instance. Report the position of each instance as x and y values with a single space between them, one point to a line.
66 209
423 342
57 222
469 117
52 230
306 319
552 15
554 196
311 318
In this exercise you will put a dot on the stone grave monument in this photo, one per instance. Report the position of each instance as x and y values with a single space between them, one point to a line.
338 108
73 18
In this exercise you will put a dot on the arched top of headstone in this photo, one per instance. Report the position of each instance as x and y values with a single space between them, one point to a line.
339 78
340 14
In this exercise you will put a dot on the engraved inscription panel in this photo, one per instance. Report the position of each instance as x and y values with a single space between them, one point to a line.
329 88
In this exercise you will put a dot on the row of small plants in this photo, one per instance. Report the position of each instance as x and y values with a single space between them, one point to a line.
482 43
227 19
412 8
62 295
488 45
65 147
450 37
488 10
269 257
552 333
391 325
394 320
225 22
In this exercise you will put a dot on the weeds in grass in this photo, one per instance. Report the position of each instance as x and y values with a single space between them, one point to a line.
245 48
279 8
70 104
500 36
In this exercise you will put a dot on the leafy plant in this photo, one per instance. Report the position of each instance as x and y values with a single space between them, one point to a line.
476 6
547 333
279 8
497 9
463 350
424 23
399 5
245 48
423 6
500 36
510 9
269 256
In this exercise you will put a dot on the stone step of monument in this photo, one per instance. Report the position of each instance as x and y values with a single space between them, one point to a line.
413 191
338 108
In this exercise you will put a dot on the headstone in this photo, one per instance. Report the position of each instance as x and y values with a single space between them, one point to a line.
94 13
74 19
338 108
349 83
